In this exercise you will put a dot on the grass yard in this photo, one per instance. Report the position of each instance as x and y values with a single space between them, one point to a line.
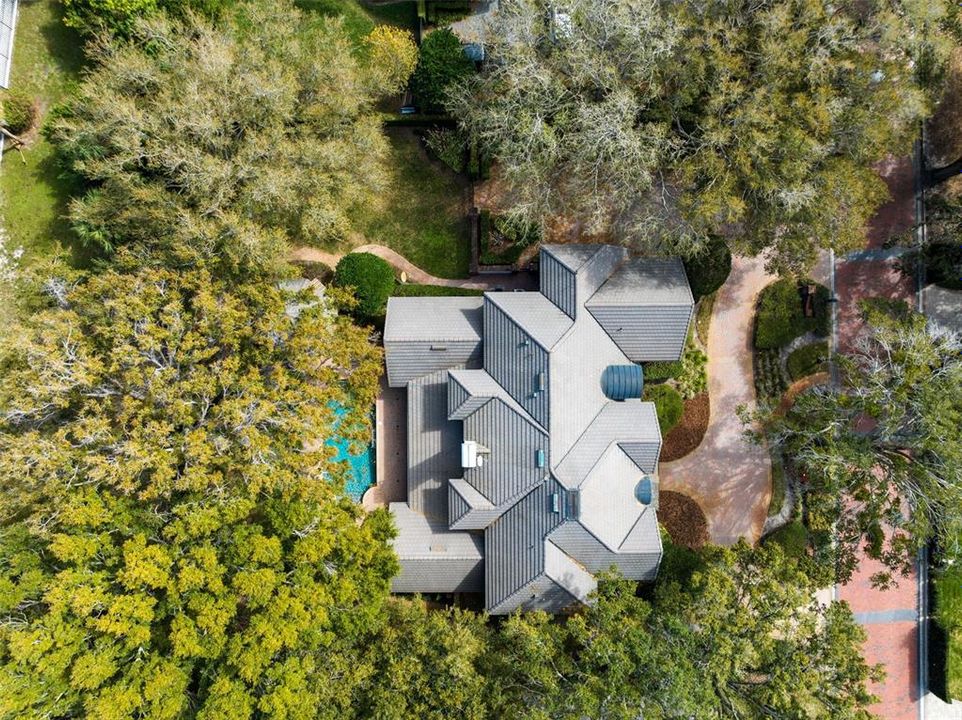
47 60
359 19
948 588
421 214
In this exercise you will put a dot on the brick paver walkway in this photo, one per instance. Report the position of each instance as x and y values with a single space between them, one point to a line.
890 616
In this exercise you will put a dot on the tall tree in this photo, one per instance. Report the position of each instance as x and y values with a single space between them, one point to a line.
223 143
735 635
665 122
749 621
174 540
880 453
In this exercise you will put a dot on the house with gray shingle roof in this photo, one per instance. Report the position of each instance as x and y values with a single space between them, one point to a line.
532 462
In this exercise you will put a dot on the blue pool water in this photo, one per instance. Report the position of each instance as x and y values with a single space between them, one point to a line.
362 466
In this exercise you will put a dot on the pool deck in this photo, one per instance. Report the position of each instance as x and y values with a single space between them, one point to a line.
390 432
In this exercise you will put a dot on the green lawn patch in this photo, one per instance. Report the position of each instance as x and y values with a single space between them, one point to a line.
47 60
360 19
948 589
420 214
415 290
807 360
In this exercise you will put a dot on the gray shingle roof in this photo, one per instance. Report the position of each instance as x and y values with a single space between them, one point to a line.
645 281
433 318
557 492
540 318
434 445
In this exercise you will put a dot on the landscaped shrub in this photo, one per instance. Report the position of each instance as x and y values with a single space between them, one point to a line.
793 539
778 485
449 145
770 380
780 317
668 405
693 379
708 270
807 360
503 241
415 290
372 279
948 607
441 62
658 371
18 112
943 265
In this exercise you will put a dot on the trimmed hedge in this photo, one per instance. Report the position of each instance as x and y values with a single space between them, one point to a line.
807 360
668 405
709 270
780 317
415 290
372 279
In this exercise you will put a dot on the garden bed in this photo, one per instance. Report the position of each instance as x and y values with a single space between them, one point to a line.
683 519
690 430
415 290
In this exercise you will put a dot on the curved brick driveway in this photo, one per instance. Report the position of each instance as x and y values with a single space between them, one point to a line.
727 476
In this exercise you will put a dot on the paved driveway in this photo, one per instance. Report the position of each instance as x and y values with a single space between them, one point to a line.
728 477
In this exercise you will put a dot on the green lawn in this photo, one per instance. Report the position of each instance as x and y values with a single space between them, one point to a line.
47 59
360 19
948 588
421 213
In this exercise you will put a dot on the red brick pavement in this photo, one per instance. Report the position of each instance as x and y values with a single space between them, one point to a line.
892 640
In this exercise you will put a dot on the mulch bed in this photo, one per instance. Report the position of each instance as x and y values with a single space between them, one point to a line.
688 433
683 519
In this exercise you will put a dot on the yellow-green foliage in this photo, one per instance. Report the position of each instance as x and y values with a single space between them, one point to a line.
180 544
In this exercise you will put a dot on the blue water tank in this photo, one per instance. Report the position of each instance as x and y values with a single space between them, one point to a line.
643 491
622 382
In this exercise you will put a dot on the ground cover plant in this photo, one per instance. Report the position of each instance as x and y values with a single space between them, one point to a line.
415 290
668 404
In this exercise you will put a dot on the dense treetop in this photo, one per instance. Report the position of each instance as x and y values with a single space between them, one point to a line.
882 450
173 539
666 122
225 142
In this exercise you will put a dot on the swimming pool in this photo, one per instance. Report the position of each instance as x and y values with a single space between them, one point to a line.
362 466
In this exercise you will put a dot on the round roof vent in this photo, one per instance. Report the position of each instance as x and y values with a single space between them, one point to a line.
622 382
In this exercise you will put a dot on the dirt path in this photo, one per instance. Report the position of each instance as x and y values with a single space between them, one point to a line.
727 476
413 272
